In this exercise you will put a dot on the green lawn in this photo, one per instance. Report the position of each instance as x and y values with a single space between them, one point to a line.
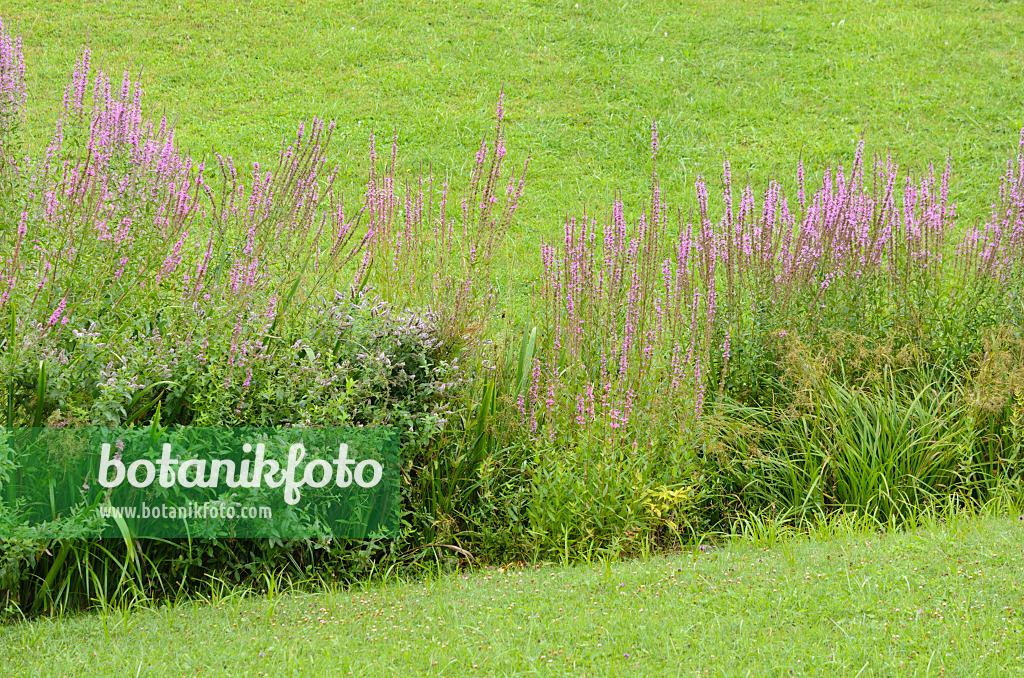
758 82
940 601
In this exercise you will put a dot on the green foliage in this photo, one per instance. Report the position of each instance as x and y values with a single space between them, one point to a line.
884 451
361 363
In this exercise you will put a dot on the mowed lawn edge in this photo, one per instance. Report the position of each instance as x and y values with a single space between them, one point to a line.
941 600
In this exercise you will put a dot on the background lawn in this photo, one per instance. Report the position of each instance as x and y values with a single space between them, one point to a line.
761 83
939 601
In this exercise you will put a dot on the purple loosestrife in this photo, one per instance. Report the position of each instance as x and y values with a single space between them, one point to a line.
452 272
996 249
56 317
13 93
619 310
622 307
222 261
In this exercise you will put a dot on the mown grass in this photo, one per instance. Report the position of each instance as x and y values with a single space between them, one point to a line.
761 83
942 600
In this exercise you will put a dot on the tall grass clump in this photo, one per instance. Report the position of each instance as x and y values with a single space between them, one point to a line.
886 453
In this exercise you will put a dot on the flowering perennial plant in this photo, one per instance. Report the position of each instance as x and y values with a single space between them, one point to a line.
646 321
122 260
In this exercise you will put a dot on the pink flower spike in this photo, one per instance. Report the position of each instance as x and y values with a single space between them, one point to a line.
58 312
